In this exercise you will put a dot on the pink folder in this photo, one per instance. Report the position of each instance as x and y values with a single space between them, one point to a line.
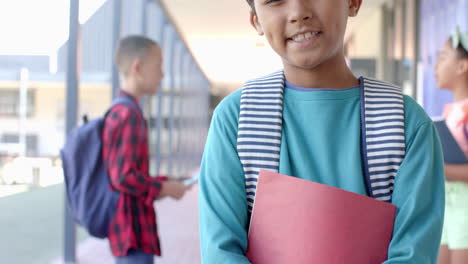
298 221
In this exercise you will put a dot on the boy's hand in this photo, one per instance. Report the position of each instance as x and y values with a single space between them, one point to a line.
174 189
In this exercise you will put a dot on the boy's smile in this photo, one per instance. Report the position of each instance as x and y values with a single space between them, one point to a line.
308 35
304 39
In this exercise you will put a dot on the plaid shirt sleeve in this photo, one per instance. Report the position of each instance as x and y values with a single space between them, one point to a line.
124 138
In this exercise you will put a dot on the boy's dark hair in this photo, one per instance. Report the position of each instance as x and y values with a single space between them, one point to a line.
252 5
131 48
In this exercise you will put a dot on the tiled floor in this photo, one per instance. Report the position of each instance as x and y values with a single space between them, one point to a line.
178 228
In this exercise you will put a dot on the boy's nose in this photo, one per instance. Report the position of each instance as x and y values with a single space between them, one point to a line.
299 11
296 19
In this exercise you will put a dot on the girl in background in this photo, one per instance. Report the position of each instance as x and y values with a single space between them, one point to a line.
452 74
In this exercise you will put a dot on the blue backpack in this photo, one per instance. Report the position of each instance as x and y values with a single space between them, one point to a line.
91 200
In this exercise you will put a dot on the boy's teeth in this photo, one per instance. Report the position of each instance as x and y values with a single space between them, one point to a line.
305 36
299 37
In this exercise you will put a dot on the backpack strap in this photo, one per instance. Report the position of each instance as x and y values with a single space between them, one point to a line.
126 101
260 125
119 100
382 121
465 131
383 136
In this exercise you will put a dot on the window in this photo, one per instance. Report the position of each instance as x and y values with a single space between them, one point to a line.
10 102
32 143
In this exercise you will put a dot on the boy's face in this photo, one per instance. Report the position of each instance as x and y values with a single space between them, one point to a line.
150 71
305 33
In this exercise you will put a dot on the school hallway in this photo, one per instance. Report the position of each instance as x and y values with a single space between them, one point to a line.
60 66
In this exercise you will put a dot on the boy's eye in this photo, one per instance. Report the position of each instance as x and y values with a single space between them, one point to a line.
271 1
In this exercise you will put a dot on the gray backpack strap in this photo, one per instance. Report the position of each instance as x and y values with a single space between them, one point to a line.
383 136
259 133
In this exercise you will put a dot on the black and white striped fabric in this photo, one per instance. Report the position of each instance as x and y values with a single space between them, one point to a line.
260 127
383 130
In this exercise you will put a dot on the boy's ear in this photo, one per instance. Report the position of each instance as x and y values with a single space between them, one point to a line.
255 24
135 67
354 6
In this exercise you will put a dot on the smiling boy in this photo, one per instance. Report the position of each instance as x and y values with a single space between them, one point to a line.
320 137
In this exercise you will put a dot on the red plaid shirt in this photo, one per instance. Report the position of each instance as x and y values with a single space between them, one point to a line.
125 151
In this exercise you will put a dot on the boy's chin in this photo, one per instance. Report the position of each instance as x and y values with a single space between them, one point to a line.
304 64
151 91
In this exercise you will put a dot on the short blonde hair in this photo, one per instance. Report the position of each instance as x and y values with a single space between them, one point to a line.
131 48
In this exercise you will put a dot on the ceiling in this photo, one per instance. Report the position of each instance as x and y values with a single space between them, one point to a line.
223 41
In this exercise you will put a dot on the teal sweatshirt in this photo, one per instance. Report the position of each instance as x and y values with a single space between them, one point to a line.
321 143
